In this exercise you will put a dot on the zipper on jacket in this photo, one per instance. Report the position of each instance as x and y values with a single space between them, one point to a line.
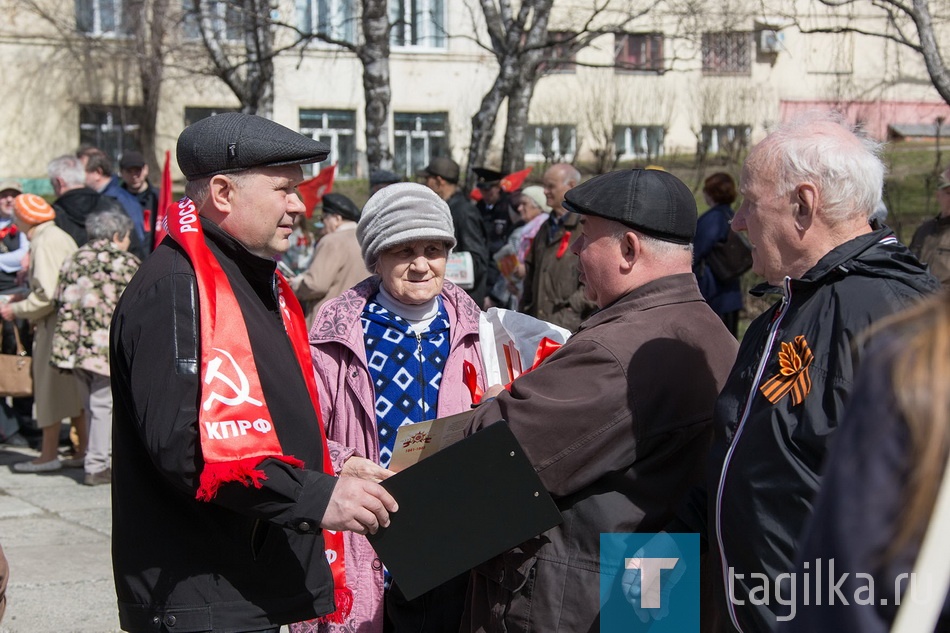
422 373
763 361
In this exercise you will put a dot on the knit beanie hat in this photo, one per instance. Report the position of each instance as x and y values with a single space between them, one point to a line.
32 209
401 213
536 194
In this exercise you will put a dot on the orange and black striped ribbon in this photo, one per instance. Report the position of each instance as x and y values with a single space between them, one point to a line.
793 376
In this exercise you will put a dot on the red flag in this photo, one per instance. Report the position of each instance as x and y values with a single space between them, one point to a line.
514 181
312 190
165 198
475 194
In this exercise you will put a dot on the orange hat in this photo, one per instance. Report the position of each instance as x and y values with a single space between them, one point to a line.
32 209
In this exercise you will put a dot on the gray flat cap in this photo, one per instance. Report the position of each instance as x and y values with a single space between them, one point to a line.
383 177
232 141
649 200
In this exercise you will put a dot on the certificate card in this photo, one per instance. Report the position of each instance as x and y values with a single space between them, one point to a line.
415 442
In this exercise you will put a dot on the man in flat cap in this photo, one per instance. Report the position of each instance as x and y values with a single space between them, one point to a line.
616 422
225 509
441 175
380 178
337 263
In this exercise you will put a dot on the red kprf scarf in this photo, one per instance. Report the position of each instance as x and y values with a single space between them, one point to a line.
236 427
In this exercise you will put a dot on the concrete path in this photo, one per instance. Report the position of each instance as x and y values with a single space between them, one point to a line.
56 534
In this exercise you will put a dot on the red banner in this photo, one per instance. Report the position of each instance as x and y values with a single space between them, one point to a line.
165 198
514 181
312 191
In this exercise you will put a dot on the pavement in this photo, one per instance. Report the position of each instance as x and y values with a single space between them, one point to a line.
56 534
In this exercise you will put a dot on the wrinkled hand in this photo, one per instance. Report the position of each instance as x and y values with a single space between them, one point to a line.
639 592
364 468
357 505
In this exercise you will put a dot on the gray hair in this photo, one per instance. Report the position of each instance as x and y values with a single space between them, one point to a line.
657 246
822 148
69 169
104 224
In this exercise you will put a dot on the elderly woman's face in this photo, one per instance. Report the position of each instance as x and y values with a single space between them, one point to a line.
413 273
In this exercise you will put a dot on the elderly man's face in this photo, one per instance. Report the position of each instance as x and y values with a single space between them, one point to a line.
769 220
413 273
264 206
6 202
598 251
556 184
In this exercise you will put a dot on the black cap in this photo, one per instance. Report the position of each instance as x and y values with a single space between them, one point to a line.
652 201
232 141
131 159
443 167
341 205
488 176
383 177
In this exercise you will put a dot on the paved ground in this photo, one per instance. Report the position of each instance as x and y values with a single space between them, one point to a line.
56 535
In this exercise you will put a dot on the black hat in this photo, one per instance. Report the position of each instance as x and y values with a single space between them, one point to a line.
652 201
232 141
487 176
383 177
341 205
443 167
131 159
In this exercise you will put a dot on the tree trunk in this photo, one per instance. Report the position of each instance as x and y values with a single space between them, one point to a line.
483 123
519 106
929 49
150 33
374 54
259 76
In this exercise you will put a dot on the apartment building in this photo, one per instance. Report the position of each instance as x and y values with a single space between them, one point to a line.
669 81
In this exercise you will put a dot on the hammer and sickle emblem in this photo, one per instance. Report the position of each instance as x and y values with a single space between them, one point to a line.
241 393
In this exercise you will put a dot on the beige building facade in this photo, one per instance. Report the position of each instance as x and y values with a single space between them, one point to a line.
667 82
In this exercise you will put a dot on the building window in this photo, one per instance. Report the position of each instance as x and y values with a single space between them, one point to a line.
639 141
335 19
113 129
560 52
727 53
336 128
101 17
549 143
638 51
418 23
225 15
727 140
196 114
417 139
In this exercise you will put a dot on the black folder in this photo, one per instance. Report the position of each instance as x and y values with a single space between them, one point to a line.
463 505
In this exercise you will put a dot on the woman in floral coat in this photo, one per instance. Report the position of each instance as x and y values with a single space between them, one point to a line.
90 284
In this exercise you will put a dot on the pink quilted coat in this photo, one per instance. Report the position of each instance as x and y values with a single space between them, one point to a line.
347 403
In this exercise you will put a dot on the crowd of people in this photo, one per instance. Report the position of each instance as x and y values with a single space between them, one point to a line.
254 415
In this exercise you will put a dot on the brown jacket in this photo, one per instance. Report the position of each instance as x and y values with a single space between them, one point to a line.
617 424
337 266
931 245
552 290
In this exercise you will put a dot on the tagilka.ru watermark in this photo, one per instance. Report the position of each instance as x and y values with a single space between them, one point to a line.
649 582
819 584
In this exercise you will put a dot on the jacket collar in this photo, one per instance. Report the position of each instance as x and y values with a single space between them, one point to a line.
669 290
259 271
339 318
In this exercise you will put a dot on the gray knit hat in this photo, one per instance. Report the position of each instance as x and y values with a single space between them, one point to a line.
401 213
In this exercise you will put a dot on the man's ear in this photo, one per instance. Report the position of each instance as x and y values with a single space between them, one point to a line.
221 192
806 198
630 248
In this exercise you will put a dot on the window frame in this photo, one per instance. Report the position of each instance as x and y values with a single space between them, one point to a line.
309 16
226 28
120 26
333 136
735 54
534 132
631 132
424 34
652 43
435 141
115 128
